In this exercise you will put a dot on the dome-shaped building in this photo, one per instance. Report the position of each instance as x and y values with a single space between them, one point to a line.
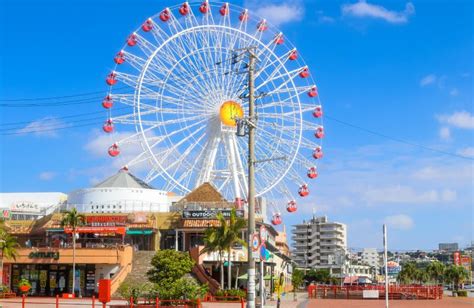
120 193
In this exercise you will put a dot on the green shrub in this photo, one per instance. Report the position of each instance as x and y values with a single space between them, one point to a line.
4 288
137 291
231 294
183 288
462 293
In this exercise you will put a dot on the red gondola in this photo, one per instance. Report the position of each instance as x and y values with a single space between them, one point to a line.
276 219
165 15
107 103
304 73
279 39
204 8
293 55
312 173
132 40
114 150
313 92
147 25
184 9
111 79
262 25
319 132
108 126
303 191
318 153
244 16
318 112
224 10
291 208
119 57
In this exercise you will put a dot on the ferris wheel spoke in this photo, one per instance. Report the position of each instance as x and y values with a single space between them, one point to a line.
287 77
159 139
277 63
139 159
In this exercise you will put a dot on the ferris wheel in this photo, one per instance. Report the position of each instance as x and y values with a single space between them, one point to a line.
180 85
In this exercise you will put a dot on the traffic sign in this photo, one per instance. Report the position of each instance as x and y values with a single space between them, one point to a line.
263 234
255 242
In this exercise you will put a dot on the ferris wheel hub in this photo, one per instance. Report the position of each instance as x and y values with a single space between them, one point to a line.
229 112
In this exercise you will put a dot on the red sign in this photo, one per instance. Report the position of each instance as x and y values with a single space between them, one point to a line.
115 230
106 219
457 258
466 262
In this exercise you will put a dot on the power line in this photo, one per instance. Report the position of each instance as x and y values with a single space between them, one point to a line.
397 139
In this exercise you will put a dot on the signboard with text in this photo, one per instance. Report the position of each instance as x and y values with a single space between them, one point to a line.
209 214
25 206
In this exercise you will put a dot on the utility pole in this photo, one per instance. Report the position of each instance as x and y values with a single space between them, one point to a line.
251 182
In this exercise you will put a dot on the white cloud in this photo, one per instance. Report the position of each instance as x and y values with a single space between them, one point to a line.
449 195
400 194
445 133
400 221
454 92
427 80
326 19
467 152
47 175
459 119
46 127
364 9
277 14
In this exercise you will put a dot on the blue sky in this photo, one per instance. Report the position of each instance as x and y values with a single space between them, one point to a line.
402 69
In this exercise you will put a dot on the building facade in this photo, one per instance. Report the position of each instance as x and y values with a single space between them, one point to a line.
120 193
30 206
448 247
320 243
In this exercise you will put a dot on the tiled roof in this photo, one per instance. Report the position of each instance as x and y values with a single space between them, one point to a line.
204 193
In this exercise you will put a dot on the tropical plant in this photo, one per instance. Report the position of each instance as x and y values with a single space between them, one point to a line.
297 278
222 238
421 276
408 273
231 294
232 230
72 219
436 271
319 276
169 265
134 291
213 243
456 275
8 248
183 288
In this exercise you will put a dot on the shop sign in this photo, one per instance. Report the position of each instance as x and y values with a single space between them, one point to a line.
457 258
209 214
106 220
25 206
6 214
44 255
466 262
102 230
138 218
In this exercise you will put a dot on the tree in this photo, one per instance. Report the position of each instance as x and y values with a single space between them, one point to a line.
222 238
169 265
408 273
8 246
421 276
72 219
213 242
232 230
319 276
297 278
456 275
435 271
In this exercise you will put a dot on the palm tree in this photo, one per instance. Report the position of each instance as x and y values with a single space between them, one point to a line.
213 242
408 273
436 271
232 230
72 219
456 274
8 246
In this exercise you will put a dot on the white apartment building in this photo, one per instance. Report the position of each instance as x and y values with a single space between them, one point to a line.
319 243
371 257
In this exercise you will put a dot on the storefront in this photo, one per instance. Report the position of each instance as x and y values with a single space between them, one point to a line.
54 279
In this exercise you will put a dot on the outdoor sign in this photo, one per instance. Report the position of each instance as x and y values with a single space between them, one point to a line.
457 258
263 234
265 255
466 262
106 220
370 294
115 230
44 255
255 246
393 268
6 214
25 206
209 214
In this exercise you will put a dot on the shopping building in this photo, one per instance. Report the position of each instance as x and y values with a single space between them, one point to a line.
30 206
